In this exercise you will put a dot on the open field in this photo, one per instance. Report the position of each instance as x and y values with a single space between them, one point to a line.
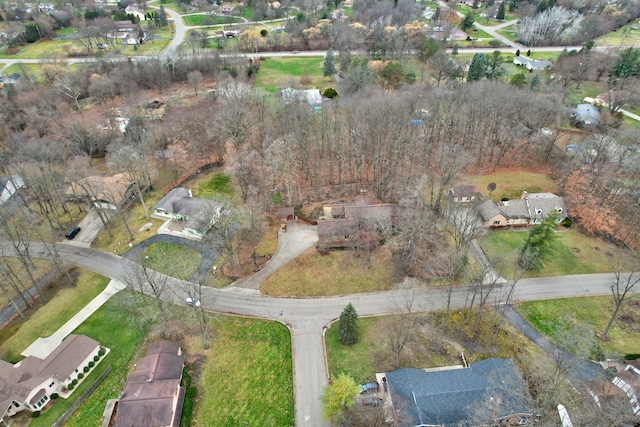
512 184
247 377
558 318
587 88
278 73
623 37
206 19
64 304
337 273
44 49
591 255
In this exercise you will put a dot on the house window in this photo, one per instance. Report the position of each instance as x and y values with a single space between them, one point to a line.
497 222
52 383
16 404
76 370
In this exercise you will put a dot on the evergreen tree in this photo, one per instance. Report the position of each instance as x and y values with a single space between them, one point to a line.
534 84
329 66
348 326
540 243
513 5
519 80
501 12
468 21
478 67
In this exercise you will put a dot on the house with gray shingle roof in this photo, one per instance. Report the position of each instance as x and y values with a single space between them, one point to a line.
30 383
185 215
530 209
489 391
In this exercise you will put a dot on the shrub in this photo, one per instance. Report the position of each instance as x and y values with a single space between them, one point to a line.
101 352
85 369
330 93
567 222
91 364
74 382
35 414
80 376
264 32
71 386
96 358
54 396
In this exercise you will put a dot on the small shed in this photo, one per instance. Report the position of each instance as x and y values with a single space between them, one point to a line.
286 214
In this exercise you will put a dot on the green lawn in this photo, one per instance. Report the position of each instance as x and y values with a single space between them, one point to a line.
185 259
215 184
337 273
511 184
592 312
65 30
53 314
168 4
247 377
590 89
623 37
592 255
111 328
44 49
353 360
278 73
205 19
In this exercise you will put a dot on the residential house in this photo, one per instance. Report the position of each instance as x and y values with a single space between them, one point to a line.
133 10
624 386
343 222
185 215
310 96
107 192
530 209
152 395
532 64
30 383
463 193
9 185
587 114
286 214
227 9
488 392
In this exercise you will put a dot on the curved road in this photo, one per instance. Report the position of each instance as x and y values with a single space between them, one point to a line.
307 318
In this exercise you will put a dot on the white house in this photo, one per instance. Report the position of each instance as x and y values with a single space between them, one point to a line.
311 96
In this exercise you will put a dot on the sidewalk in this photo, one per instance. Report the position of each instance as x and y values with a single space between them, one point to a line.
42 347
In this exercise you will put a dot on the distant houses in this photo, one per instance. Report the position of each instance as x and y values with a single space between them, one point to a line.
530 209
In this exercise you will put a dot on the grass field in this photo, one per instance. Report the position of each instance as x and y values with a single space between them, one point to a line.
213 185
623 37
512 184
187 260
278 73
247 377
205 19
53 314
590 89
557 318
337 273
593 255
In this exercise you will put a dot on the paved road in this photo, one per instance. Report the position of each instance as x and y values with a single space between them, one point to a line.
307 317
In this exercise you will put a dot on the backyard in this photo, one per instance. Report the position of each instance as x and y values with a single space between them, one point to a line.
279 73
511 184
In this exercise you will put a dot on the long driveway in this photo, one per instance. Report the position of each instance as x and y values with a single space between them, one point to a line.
307 317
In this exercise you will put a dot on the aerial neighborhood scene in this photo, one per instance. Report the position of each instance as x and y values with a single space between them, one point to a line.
406 213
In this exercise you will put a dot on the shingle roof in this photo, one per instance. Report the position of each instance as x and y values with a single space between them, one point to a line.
463 191
488 210
532 206
452 397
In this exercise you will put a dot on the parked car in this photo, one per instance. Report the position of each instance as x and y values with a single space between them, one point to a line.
368 387
73 231
191 303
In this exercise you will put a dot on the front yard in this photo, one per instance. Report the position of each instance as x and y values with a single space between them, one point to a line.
575 253
279 73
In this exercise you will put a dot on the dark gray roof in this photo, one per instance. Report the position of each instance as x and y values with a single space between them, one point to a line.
488 210
587 113
456 396
463 191
532 206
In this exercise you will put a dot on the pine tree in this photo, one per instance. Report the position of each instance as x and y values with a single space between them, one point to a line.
329 66
540 244
478 67
501 12
348 326
468 21
534 84
519 80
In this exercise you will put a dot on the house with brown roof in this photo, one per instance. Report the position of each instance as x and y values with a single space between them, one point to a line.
185 215
530 209
343 222
108 192
30 383
152 396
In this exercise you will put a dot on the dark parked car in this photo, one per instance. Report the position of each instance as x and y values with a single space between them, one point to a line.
72 232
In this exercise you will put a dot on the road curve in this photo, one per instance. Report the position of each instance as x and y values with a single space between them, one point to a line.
308 317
